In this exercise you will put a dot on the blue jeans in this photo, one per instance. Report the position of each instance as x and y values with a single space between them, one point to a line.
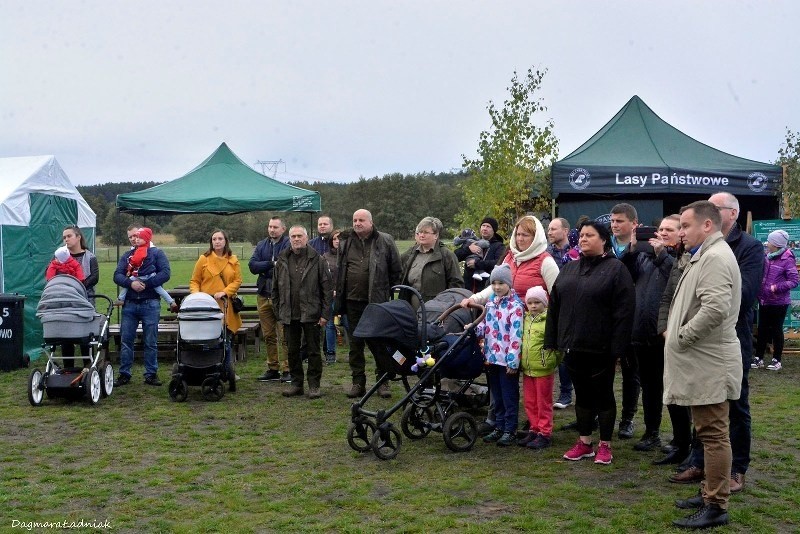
330 334
148 312
504 390
566 383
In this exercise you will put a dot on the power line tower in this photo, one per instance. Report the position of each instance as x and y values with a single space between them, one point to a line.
271 166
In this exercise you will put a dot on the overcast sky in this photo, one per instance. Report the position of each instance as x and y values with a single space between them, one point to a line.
145 90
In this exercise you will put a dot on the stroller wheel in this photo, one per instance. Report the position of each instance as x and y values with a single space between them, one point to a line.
359 435
35 388
212 388
460 432
106 378
178 390
386 442
416 421
91 383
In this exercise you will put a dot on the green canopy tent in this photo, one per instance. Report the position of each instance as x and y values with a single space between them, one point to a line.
222 184
37 201
639 158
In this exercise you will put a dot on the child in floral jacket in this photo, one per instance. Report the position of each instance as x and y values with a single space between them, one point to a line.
501 331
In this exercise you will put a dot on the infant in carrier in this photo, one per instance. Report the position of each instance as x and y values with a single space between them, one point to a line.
142 242
467 238
64 263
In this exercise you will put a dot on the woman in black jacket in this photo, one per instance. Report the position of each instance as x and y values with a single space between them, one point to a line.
589 320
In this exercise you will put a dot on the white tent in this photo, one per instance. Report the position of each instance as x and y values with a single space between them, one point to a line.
37 201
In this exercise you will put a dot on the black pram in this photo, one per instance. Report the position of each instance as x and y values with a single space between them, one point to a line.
444 354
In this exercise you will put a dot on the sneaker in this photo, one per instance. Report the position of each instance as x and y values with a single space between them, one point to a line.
485 428
562 402
356 390
508 438
286 377
269 376
541 442
626 429
330 358
493 436
384 391
757 363
122 380
737 482
527 438
152 380
774 366
649 442
603 454
579 451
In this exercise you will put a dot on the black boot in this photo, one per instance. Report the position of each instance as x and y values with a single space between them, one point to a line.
692 503
675 456
709 515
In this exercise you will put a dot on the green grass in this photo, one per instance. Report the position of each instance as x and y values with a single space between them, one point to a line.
257 462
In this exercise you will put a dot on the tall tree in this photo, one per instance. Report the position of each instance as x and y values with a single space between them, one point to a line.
511 175
789 157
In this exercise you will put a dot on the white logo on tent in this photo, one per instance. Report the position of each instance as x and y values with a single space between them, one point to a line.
757 182
579 178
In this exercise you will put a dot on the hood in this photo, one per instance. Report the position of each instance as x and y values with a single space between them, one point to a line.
538 246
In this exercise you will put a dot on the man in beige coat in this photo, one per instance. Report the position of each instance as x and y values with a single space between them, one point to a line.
702 360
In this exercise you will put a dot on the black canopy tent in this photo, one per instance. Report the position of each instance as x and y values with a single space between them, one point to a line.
639 158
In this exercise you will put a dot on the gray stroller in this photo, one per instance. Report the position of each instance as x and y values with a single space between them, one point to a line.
68 316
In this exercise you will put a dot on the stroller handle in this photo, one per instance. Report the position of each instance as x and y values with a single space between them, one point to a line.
457 306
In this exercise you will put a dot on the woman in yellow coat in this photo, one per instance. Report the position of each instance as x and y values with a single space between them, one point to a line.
217 273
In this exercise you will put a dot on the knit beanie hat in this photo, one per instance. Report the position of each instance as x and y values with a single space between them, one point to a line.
492 222
62 254
538 293
146 234
778 238
501 273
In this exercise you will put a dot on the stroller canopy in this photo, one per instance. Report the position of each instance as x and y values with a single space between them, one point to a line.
64 299
454 323
395 320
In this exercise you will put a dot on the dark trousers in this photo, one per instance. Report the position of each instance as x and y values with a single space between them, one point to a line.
770 329
565 382
739 412
294 333
593 379
68 349
355 309
650 357
630 385
504 389
681 418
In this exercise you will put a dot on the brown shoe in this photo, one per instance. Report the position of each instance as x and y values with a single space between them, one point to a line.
737 482
384 391
313 393
690 476
292 391
356 390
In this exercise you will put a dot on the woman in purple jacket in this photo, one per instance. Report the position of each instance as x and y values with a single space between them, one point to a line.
780 277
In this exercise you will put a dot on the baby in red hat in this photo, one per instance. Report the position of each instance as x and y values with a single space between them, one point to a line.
142 243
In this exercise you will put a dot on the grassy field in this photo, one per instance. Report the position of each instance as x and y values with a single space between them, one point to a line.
259 462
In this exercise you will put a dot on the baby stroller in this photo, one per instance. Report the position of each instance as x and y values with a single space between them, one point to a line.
68 316
416 347
202 338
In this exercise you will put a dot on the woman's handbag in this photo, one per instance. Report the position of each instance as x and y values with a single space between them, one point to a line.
237 303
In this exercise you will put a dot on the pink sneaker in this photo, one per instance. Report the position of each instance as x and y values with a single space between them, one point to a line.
579 451
603 454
